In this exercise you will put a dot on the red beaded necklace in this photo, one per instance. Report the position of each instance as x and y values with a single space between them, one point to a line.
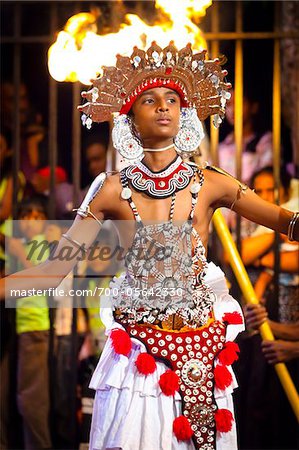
162 184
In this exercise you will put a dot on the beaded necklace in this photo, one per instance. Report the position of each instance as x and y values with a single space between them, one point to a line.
161 184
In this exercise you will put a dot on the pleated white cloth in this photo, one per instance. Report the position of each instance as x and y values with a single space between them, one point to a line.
130 411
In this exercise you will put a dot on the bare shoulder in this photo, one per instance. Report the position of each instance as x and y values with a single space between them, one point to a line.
111 188
102 196
215 183
112 182
221 186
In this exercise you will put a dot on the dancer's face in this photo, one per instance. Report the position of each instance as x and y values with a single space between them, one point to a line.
156 114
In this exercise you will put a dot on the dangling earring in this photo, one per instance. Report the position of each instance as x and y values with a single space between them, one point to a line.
190 133
124 140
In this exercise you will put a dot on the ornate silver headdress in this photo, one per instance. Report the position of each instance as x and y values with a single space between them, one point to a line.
199 82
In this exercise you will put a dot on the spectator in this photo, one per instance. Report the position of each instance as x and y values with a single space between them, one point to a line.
63 189
6 191
6 184
32 326
257 144
261 403
283 350
96 156
258 248
33 146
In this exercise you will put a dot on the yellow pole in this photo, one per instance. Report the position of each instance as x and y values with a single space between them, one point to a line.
250 297
214 132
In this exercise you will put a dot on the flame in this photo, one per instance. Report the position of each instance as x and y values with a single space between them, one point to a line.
79 52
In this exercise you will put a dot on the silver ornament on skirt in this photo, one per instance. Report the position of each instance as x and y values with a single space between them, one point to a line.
190 133
124 140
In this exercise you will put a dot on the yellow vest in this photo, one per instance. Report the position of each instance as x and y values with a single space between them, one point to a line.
32 312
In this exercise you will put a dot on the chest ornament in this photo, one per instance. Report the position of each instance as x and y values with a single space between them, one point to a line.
160 184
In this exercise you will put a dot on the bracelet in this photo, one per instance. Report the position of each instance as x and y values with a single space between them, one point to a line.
291 226
242 190
86 212
75 243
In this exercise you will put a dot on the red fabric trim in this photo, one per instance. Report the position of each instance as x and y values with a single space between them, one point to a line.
222 377
229 354
224 420
145 363
232 318
160 82
169 382
121 342
182 429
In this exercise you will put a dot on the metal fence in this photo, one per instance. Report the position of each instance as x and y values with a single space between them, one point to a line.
214 36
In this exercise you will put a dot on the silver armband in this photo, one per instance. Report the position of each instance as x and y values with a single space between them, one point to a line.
291 226
74 242
95 187
242 190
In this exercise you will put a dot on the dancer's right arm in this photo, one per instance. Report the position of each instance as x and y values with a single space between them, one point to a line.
83 231
51 272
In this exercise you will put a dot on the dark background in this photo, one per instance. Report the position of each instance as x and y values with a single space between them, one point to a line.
258 59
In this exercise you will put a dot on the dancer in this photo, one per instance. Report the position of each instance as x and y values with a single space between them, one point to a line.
164 380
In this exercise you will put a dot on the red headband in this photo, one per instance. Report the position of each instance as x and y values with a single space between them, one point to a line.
150 84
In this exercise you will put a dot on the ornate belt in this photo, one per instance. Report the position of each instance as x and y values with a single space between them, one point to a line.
190 354
174 322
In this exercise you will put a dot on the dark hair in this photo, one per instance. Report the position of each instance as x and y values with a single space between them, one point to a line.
6 169
285 177
38 202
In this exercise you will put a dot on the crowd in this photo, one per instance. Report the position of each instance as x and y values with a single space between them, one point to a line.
49 348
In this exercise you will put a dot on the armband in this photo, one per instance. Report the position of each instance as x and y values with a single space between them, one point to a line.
95 187
242 186
291 226
74 242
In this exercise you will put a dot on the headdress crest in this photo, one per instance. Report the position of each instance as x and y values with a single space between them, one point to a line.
199 82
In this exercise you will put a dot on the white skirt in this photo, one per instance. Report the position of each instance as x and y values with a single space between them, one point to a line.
130 412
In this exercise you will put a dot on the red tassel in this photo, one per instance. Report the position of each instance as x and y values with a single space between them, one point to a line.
145 363
169 382
229 354
224 420
182 428
233 318
222 377
121 342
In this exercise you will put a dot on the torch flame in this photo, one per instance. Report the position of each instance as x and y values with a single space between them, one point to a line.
79 52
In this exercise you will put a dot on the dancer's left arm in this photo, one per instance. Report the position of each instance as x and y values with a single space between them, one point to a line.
232 194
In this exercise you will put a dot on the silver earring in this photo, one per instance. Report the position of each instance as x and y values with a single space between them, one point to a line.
190 133
124 140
